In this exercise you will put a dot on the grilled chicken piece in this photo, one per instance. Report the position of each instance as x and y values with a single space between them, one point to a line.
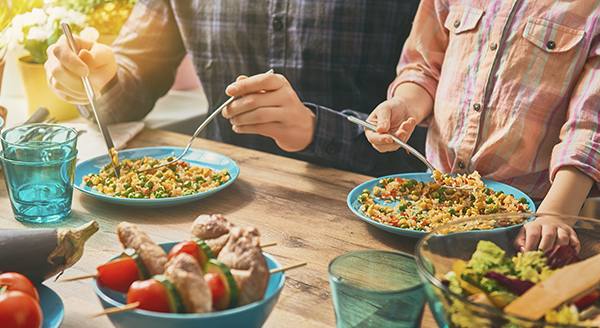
213 229
152 255
185 274
244 258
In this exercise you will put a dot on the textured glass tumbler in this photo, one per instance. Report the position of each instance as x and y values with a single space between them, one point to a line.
38 142
375 288
40 191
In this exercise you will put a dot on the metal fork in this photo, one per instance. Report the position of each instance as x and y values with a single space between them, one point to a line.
200 128
405 146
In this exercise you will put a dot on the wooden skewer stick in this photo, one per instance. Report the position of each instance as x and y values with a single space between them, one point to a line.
85 276
287 267
133 306
96 275
117 309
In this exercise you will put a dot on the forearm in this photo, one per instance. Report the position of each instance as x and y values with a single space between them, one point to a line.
568 192
417 100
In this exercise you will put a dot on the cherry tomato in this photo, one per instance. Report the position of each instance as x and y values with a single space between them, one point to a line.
151 295
19 310
17 281
587 300
216 285
186 246
119 274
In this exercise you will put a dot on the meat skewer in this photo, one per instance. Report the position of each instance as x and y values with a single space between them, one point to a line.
239 264
152 255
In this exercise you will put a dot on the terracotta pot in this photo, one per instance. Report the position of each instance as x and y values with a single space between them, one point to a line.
38 93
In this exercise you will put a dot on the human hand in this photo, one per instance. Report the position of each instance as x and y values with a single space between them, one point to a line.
64 69
270 107
391 117
545 233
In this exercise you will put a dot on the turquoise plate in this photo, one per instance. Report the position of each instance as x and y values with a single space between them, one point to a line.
195 157
251 315
354 204
52 307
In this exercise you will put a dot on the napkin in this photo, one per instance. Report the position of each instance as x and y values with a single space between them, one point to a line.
91 143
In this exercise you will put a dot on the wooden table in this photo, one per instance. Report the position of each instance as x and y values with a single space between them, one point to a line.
300 206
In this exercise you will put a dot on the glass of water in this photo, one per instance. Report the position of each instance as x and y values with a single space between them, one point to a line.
38 162
376 288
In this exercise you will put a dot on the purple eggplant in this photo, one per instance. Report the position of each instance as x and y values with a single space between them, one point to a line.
40 253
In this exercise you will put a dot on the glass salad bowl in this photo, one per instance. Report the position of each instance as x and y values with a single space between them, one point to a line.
443 255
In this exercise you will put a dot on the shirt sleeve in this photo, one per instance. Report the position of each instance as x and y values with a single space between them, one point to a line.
424 50
342 144
148 51
579 143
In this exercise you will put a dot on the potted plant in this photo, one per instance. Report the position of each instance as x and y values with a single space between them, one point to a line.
8 10
35 31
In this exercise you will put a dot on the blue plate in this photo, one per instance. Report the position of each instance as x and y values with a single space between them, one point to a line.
251 315
52 307
195 157
354 204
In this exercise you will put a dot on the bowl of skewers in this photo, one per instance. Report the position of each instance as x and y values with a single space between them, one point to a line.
478 279
218 278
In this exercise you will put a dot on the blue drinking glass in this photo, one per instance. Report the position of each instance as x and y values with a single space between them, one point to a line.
40 191
376 288
38 142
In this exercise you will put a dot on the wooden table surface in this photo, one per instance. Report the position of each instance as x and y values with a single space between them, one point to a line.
300 206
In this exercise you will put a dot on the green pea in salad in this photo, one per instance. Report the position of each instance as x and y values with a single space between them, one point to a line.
178 179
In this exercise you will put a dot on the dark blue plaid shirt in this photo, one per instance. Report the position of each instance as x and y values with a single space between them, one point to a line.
339 55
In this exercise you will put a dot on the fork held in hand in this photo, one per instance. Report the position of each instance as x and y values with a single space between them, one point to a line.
200 128
405 146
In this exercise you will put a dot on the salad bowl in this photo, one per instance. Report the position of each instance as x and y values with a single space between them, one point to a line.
439 254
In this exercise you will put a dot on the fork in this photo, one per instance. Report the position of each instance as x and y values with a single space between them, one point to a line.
200 128
405 146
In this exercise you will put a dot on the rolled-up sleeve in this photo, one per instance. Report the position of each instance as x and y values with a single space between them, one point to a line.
148 51
579 144
424 50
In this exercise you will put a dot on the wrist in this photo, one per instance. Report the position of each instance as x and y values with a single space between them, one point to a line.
417 101
109 85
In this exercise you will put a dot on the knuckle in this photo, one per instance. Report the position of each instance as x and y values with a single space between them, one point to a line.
250 101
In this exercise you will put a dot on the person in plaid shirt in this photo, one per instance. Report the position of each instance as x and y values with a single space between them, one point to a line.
510 89
331 59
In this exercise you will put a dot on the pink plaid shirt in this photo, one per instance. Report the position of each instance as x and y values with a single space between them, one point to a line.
516 87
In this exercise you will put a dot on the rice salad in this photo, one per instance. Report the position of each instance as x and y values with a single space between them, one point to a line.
424 206
177 179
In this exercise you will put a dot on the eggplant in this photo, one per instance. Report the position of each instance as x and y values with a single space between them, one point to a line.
40 253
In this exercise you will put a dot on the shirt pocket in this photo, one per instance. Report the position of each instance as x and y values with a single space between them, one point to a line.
551 37
461 19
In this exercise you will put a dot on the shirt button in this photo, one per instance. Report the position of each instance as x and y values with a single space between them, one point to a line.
330 149
551 45
477 107
456 23
493 46
277 24
461 165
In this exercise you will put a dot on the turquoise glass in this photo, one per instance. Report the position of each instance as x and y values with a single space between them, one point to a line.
376 288
40 191
38 142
